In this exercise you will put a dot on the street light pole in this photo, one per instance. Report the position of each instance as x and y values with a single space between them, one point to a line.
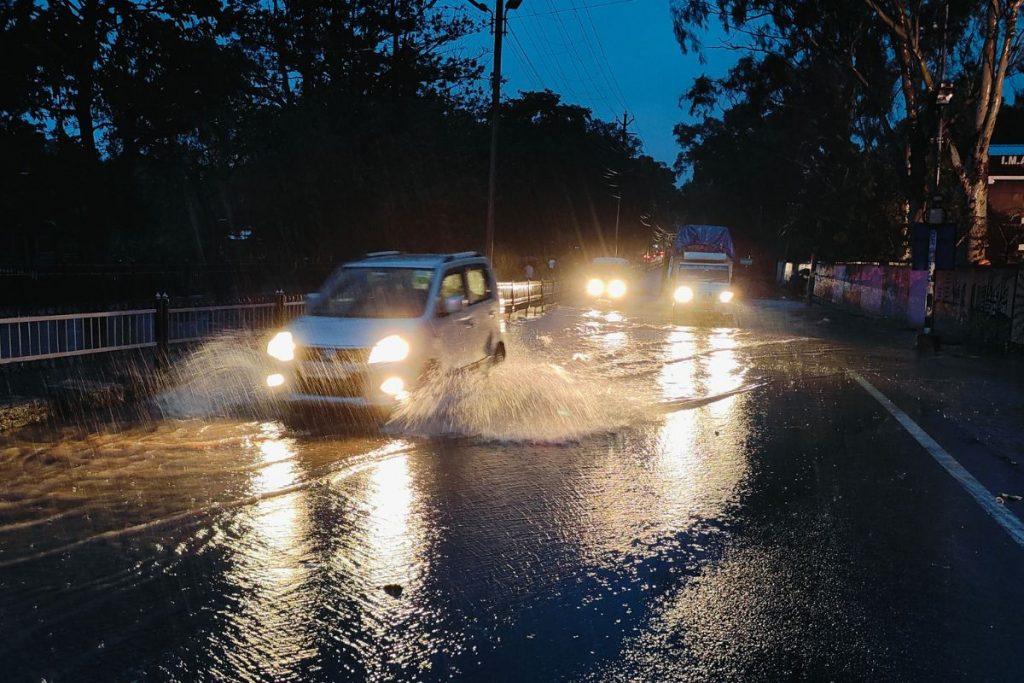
500 7
499 29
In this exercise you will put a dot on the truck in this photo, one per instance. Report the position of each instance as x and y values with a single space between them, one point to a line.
699 269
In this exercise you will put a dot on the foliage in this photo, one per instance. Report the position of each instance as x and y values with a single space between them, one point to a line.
881 60
287 133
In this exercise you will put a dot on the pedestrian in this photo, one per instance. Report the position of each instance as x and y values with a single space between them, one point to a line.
551 266
528 271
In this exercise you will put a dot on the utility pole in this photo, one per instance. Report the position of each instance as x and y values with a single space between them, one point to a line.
626 120
500 6
936 214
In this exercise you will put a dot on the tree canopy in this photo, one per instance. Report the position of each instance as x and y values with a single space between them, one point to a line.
849 94
256 131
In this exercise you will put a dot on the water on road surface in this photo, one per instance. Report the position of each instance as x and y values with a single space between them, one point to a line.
627 497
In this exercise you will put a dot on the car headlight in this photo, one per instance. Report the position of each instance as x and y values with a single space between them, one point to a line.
683 294
616 289
725 297
282 346
595 287
390 349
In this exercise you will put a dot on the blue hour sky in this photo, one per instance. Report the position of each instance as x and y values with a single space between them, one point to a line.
610 56
607 55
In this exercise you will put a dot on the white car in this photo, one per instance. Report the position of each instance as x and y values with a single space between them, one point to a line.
381 324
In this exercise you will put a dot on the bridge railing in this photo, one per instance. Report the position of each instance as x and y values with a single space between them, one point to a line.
42 337
58 336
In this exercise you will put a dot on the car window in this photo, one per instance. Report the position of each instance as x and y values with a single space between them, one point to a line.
479 285
360 292
452 285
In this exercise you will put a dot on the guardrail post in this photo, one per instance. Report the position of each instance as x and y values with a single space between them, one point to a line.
162 329
279 308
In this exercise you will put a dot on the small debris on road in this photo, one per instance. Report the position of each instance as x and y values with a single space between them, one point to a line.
394 590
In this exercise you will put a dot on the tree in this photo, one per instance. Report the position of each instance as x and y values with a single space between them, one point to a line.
790 164
984 63
978 50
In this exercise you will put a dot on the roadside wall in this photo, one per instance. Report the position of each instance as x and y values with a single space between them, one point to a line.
880 290
978 304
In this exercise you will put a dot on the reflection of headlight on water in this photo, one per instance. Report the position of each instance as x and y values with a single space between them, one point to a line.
725 297
616 289
282 346
390 349
683 294
595 287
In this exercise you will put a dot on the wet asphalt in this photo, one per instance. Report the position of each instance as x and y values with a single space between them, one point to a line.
631 497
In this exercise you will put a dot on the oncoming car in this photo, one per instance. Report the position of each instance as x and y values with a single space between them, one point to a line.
380 325
608 277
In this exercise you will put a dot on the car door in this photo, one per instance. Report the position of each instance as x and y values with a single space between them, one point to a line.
483 312
451 328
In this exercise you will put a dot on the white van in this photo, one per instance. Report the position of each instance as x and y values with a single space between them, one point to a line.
379 325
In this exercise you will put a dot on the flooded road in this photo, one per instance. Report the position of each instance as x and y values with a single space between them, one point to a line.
627 498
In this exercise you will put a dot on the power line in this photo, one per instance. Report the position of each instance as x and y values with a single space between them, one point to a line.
546 57
524 56
579 65
604 57
563 11
608 70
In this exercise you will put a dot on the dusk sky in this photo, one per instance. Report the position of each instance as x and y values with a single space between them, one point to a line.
608 55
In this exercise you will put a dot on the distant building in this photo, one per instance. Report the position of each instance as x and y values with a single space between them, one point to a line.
1006 202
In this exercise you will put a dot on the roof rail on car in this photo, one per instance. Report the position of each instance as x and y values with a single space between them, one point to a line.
463 254
376 254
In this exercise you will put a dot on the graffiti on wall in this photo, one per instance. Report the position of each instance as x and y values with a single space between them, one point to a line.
980 304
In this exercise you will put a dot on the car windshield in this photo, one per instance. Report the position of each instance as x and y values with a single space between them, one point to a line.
703 273
608 269
357 292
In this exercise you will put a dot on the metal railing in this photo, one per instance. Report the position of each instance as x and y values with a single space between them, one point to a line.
522 296
32 338
59 336
198 322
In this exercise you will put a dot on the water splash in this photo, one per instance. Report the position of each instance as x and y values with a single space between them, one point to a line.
527 398
221 377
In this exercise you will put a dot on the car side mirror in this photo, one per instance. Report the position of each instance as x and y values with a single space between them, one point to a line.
452 304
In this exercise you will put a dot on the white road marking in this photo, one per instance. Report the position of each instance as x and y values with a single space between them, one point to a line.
1003 517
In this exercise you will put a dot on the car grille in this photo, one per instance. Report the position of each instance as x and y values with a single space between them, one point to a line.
326 354
324 385
329 371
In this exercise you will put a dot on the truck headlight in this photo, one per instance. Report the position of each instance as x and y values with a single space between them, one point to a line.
390 349
725 297
282 346
683 294
616 289
595 287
